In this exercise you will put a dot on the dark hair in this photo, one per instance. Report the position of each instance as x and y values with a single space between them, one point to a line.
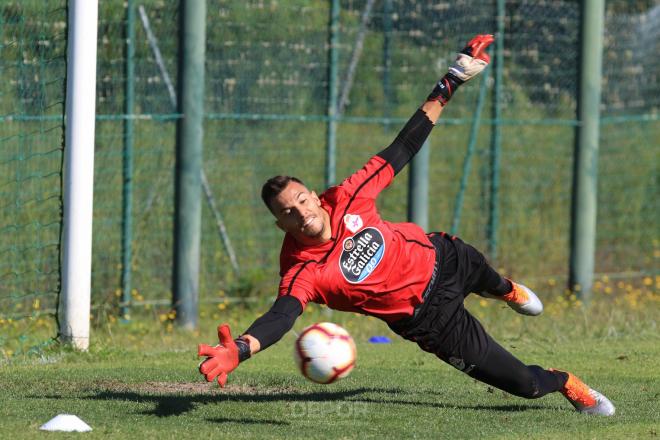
274 186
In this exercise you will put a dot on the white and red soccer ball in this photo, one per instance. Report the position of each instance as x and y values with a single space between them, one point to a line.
325 352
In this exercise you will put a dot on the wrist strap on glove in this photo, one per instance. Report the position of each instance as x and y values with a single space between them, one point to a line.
445 88
243 349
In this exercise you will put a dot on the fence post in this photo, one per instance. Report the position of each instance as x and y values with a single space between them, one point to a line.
418 187
189 138
496 140
127 187
79 172
333 69
467 161
585 165
387 58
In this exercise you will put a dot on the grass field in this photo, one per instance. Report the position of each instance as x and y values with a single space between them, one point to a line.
139 380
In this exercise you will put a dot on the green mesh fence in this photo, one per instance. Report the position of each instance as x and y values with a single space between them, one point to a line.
628 240
266 88
33 67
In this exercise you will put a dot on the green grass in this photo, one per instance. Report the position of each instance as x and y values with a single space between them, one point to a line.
139 380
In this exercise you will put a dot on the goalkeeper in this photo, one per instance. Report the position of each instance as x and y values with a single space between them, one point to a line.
338 251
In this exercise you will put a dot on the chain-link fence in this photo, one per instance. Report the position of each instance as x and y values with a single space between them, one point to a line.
33 71
267 82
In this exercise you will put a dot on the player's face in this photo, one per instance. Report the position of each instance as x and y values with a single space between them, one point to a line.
298 211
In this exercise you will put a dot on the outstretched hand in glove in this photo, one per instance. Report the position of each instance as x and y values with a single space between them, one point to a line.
469 63
472 59
221 359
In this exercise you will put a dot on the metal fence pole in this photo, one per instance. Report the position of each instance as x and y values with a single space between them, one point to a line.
333 69
153 43
387 57
496 140
418 187
127 186
189 138
585 167
467 161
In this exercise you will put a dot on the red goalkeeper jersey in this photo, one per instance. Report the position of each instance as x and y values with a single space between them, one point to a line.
369 266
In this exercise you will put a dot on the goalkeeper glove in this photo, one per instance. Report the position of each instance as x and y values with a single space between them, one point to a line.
224 357
470 62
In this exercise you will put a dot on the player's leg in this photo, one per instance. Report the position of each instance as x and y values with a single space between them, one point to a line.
492 364
447 330
490 284
476 353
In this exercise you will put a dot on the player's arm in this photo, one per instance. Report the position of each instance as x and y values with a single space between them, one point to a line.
264 332
470 61
270 327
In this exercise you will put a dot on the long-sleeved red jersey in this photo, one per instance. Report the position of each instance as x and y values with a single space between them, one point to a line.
369 266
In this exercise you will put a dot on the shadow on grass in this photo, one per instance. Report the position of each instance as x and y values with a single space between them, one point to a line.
173 405
246 421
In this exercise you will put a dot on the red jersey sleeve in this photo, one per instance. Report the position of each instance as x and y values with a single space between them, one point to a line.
298 281
369 181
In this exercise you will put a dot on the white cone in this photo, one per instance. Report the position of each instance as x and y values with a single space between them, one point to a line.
66 422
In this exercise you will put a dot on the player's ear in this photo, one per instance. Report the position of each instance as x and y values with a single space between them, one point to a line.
279 225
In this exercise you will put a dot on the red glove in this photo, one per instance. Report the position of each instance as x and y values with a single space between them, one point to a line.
473 58
469 63
222 359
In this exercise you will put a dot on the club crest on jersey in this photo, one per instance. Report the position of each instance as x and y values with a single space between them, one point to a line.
361 254
353 222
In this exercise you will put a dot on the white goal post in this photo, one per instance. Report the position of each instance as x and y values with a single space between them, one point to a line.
79 173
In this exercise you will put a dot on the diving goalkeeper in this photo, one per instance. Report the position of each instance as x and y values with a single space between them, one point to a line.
338 251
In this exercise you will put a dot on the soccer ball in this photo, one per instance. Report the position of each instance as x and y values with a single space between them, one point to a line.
325 352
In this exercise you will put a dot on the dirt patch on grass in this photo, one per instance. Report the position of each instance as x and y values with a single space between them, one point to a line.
190 388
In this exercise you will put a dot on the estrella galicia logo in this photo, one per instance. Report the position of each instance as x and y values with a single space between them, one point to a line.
361 254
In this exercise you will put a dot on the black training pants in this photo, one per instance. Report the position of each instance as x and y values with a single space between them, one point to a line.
442 326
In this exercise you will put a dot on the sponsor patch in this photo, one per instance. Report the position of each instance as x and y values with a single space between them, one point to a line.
353 222
361 254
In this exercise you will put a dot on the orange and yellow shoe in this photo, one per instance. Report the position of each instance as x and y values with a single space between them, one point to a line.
521 299
584 398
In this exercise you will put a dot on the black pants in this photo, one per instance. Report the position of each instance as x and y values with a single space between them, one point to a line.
442 326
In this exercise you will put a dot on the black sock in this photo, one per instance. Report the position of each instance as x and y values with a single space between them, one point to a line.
503 287
562 378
